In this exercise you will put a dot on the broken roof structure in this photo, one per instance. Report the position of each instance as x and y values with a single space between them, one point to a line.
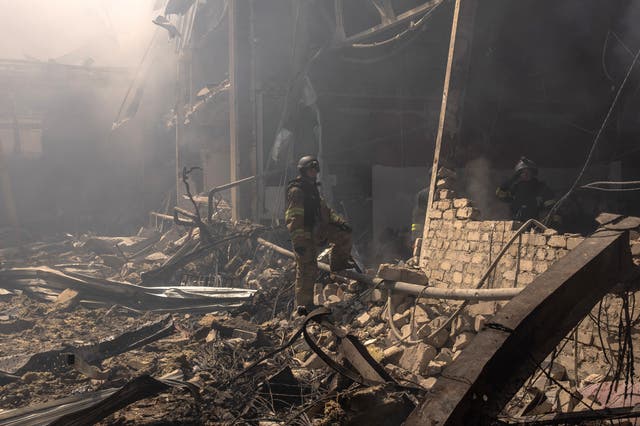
483 320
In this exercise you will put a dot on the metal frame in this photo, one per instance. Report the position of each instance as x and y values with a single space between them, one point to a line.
388 19
497 362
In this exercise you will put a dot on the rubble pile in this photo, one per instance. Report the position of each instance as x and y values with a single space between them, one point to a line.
366 356
43 323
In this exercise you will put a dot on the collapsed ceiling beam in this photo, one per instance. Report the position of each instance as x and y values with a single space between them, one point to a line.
388 18
497 362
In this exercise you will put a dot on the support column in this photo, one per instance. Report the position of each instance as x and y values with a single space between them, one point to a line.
179 128
455 79
7 193
241 117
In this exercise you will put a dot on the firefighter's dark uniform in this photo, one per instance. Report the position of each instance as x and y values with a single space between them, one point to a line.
419 213
528 198
311 223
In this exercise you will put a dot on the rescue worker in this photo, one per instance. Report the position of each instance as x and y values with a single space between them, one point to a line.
311 223
529 197
418 214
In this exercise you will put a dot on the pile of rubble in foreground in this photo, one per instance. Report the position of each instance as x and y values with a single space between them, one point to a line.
91 332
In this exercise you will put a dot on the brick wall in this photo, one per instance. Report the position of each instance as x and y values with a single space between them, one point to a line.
459 247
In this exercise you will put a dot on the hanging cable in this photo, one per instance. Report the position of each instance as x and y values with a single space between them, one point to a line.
557 205
137 74
608 186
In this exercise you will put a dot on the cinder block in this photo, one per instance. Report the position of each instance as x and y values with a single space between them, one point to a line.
468 213
391 272
509 275
473 225
473 236
444 204
541 267
459 203
559 241
526 265
449 214
416 358
551 254
435 214
445 194
526 278
538 240
436 275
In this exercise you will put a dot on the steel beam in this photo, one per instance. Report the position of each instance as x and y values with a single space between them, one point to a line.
479 383
388 19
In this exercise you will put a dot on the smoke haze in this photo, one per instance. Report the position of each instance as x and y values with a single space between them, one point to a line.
110 32
481 189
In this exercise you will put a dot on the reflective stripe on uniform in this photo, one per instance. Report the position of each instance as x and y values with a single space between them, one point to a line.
502 193
335 218
294 211
416 227
549 203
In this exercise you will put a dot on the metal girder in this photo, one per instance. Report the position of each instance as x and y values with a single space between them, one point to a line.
385 9
479 383
388 19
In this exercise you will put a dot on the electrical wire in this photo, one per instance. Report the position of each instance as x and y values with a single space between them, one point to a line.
603 186
137 74
610 189
487 272
557 205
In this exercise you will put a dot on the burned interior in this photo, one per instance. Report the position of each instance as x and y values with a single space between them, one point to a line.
310 212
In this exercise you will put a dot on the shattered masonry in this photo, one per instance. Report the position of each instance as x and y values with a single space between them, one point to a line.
459 247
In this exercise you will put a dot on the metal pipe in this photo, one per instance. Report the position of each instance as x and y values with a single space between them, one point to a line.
161 216
408 288
453 293
230 185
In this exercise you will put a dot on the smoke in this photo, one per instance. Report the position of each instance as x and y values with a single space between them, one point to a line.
108 32
480 188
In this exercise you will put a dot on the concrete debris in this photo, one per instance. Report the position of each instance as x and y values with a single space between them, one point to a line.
66 300
417 358
96 287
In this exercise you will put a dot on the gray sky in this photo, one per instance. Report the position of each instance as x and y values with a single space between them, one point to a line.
111 32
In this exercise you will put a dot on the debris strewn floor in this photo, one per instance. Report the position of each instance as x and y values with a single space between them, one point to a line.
371 357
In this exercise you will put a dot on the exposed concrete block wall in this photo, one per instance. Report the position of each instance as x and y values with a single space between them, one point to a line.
459 248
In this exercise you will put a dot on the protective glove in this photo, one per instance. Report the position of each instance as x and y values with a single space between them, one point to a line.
300 250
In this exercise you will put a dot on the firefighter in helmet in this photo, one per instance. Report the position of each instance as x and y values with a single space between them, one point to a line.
529 197
418 214
312 223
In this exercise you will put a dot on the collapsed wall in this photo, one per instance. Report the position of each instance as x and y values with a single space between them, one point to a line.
458 248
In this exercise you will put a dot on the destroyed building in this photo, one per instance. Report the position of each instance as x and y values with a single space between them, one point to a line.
147 276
